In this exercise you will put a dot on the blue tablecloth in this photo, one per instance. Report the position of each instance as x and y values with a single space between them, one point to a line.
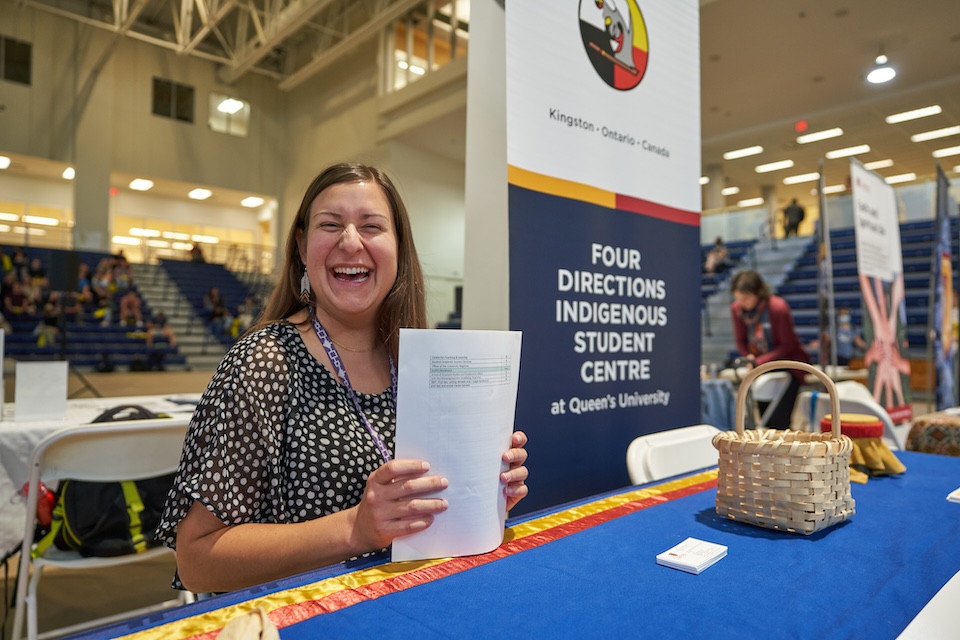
867 577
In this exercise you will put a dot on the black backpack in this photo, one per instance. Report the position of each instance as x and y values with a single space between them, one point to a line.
108 518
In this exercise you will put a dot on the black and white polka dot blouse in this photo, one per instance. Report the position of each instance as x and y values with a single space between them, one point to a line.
275 438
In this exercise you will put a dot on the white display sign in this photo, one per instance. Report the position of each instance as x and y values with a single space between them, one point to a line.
876 225
41 391
623 125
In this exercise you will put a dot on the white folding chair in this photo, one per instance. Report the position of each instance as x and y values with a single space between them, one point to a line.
672 452
770 388
108 452
854 398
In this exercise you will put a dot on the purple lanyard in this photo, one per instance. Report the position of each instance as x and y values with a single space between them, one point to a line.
342 373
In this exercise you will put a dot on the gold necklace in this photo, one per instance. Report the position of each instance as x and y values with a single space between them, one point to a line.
343 346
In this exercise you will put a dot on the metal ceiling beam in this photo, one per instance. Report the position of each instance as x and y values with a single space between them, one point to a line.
279 27
368 30
210 24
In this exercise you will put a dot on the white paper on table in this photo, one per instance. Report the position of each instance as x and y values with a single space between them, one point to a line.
41 391
457 397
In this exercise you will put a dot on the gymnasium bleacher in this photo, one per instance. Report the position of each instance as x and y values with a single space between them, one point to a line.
90 342
917 240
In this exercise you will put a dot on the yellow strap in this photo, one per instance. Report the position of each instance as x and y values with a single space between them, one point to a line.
55 523
134 507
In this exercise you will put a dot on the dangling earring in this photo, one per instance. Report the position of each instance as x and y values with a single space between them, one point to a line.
305 288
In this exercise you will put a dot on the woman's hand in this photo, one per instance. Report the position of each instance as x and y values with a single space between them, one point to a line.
515 477
395 503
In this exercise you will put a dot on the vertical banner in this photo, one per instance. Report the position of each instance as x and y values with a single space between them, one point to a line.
941 320
880 266
603 152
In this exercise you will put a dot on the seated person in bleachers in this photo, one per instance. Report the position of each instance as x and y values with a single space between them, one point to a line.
17 304
130 309
102 282
84 292
48 331
6 286
246 314
122 275
158 328
211 299
71 307
221 320
716 260
36 271
20 263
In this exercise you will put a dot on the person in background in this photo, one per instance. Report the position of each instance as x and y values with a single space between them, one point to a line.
848 338
17 303
716 259
196 253
159 329
325 487
764 331
793 215
130 309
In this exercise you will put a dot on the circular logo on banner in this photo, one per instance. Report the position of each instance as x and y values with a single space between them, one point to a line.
615 38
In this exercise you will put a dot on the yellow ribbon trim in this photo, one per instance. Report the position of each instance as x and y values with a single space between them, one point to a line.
218 618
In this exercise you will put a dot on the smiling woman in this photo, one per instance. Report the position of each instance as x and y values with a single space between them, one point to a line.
288 464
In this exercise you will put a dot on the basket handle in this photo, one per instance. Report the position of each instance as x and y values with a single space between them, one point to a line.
756 372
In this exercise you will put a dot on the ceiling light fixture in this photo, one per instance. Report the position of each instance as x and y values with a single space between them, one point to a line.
773 166
903 177
42 220
803 177
200 194
949 151
141 184
820 135
881 71
750 202
849 151
923 112
730 191
252 201
704 180
69 173
878 164
743 153
933 135
836 188
4 162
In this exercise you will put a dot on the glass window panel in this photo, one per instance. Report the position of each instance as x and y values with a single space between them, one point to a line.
16 61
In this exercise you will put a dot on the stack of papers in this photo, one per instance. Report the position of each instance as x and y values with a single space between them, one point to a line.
954 496
692 555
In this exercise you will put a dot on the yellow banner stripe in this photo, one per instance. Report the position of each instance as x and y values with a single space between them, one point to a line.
558 187
211 622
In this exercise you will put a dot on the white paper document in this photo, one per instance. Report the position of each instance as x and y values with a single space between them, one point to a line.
457 396
954 496
41 391
692 555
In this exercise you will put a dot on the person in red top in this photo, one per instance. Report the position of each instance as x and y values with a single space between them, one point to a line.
764 331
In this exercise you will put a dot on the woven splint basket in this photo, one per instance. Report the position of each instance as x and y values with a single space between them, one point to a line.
785 480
